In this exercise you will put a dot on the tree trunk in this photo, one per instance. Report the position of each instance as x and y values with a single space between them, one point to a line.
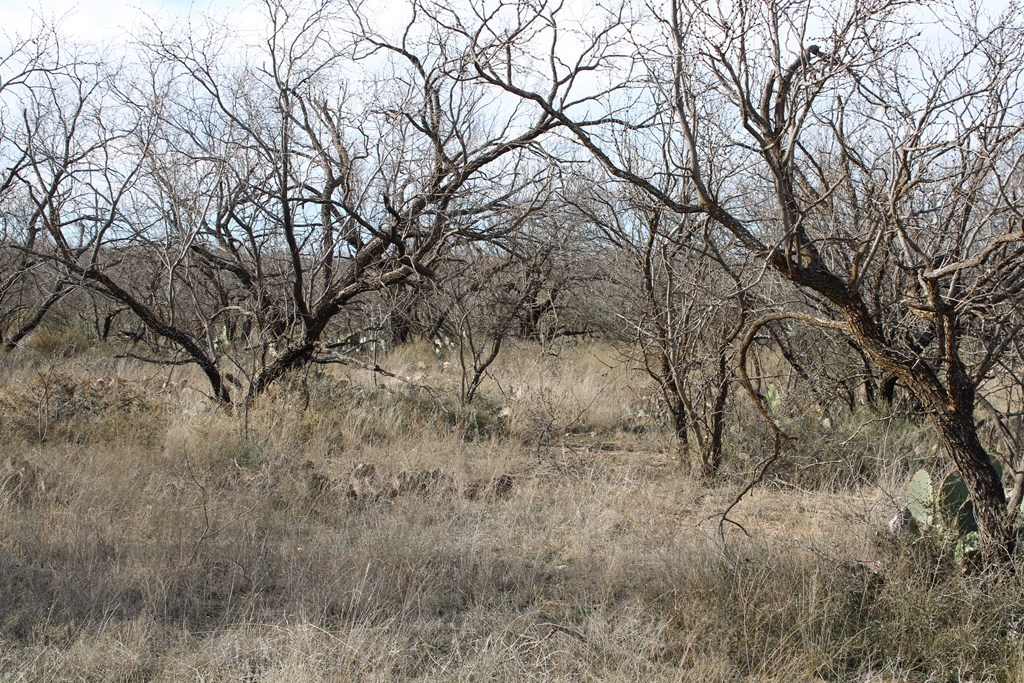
292 358
711 458
960 437
151 320
32 323
680 424
951 409
887 390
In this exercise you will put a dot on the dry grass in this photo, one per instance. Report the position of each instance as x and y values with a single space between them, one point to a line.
147 535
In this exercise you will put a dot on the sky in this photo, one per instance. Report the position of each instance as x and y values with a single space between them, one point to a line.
113 21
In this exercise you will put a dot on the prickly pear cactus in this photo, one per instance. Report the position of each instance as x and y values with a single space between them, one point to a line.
944 508
955 510
967 550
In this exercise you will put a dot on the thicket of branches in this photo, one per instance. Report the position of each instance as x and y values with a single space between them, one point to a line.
838 185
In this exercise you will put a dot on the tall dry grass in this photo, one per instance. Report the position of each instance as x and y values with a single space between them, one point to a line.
148 535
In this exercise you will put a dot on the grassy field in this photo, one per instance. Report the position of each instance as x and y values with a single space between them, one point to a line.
357 527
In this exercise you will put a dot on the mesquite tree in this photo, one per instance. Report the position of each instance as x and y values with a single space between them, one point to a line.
859 155
31 66
367 182
266 186
685 304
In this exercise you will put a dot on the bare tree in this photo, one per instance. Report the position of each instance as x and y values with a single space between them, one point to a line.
685 306
859 155
86 146
505 289
344 194
237 202
28 288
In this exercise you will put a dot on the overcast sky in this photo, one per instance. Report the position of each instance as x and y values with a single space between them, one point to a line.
111 21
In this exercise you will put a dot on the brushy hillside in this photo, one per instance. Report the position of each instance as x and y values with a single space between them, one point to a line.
353 526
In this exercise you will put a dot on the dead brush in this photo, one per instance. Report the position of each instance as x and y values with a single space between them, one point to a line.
72 405
288 547
369 485
23 482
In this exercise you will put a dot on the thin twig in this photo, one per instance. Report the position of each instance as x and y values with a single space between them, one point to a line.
566 630
754 481
154 361
209 532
